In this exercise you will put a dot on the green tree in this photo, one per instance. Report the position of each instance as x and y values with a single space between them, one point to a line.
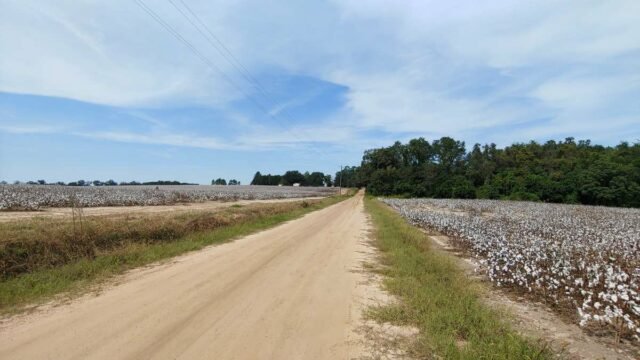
219 181
292 177
258 179
314 179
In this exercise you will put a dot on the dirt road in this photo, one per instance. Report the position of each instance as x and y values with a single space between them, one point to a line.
291 292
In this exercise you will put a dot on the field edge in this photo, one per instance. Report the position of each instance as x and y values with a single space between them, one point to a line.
438 298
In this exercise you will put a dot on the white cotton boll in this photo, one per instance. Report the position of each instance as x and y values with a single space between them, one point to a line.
597 305
583 322
575 253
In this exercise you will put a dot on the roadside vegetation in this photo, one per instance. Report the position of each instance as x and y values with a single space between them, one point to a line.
439 299
41 258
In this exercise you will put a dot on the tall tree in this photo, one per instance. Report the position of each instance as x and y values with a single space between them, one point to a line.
257 179
566 171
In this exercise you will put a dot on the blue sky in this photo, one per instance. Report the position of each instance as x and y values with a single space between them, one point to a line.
98 90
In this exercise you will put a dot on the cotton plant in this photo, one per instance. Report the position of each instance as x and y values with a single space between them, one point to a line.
34 197
585 257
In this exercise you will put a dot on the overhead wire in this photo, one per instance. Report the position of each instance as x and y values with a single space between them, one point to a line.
199 54
222 49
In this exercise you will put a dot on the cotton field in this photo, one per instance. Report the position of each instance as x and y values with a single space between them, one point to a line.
584 257
33 197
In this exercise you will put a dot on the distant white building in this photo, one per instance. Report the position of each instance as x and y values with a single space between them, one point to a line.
296 184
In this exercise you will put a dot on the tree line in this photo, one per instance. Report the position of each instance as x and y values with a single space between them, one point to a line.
555 171
221 181
292 177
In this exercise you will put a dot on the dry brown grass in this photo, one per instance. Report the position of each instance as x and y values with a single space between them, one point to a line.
31 245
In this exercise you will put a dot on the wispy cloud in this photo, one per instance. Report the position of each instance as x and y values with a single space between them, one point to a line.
415 67
30 129
161 139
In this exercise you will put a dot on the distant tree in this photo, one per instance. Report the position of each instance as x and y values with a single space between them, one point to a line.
61 183
219 181
234 182
292 177
130 183
347 177
273 180
258 179
110 182
327 180
3 182
97 183
314 179
42 182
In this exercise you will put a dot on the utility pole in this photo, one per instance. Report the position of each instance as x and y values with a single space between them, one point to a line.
340 186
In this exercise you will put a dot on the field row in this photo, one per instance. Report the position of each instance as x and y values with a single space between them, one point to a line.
34 197
583 258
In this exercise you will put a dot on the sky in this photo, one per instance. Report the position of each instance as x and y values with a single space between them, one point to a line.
194 90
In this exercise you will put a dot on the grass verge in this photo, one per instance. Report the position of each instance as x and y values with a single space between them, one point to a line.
74 277
439 299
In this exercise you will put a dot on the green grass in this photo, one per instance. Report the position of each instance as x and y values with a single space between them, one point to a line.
439 299
76 277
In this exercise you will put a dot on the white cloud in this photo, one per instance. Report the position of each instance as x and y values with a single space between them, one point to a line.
414 66
584 92
107 53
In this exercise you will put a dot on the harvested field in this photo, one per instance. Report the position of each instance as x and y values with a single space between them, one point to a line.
582 260
36 197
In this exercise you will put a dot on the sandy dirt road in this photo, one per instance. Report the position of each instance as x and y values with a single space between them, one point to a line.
290 292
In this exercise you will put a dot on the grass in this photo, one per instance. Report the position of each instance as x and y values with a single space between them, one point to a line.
439 299
76 276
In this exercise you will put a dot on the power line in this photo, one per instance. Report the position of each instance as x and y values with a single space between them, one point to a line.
236 63
228 55
222 49
201 56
